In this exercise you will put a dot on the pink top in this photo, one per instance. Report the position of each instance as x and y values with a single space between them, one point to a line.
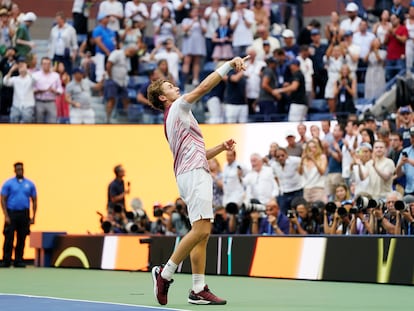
45 81
184 136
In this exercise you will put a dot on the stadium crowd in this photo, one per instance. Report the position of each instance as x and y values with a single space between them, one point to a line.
133 42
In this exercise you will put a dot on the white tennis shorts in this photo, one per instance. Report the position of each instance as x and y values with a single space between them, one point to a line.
196 189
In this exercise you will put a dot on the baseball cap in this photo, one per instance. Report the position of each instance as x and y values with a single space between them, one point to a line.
287 33
408 199
101 16
351 7
369 117
405 109
294 62
348 33
21 59
412 130
241 1
29 17
315 31
266 42
271 59
4 11
290 133
78 70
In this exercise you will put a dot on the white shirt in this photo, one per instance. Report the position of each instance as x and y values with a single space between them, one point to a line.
131 8
173 60
252 74
233 190
61 38
156 9
242 36
348 24
213 20
261 185
258 46
289 178
112 8
23 94
363 41
306 66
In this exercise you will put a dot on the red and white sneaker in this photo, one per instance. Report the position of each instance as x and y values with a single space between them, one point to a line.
161 285
205 297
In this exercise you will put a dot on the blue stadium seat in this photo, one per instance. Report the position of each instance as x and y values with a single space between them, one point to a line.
319 105
318 116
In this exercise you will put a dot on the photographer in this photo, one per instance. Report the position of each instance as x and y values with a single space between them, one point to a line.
408 214
405 166
159 225
389 221
115 221
275 222
137 217
178 223
300 217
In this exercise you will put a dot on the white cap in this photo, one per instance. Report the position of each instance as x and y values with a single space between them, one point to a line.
241 1
351 7
287 33
290 132
29 17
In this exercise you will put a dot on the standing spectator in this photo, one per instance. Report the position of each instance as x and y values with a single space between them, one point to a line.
382 27
289 44
137 11
233 190
168 51
396 147
361 158
375 75
194 45
6 92
298 102
296 5
241 21
215 102
345 92
293 148
317 50
117 190
22 109
264 38
213 14
221 39
183 8
334 59
6 32
24 43
350 144
334 151
115 87
306 67
115 11
352 22
398 9
149 115
332 28
131 36
236 109
46 88
395 41
409 44
363 38
105 42
405 166
78 95
62 106
17 195
165 27
80 14
266 101
261 14
259 182
157 8
216 174
63 43
289 180
253 75
313 168
404 123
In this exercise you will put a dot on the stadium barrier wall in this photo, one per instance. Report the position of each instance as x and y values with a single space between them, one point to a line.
369 259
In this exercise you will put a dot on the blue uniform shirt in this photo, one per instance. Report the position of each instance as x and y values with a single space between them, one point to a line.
18 193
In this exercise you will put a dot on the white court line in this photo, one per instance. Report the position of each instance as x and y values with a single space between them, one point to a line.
91 301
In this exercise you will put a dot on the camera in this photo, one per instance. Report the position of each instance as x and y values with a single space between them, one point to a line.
291 213
401 206
131 227
253 206
158 211
362 204
106 226
135 214
118 208
331 208
232 208
404 154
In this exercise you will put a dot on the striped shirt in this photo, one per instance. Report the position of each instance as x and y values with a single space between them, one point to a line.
184 136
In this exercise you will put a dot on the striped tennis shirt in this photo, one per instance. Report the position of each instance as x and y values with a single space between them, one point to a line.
185 138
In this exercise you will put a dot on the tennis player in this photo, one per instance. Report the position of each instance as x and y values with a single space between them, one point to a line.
194 181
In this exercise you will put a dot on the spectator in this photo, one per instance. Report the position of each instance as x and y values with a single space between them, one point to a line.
105 42
345 92
115 12
261 14
334 59
16 17
137 11
408 214
382 27
17 195
398 9
275 222
78 95
363 38
352 22
156 12
24 44
404 123
306 67
216 174
395 41
178 223
396 147
334 153
390 221
183 8
233 190
298 108
289 180
332 29
63 43
315 131
115 87
194 45
293 148
131 36
162 67
266 101
253 75
7 32
168 51
80 14
241 21
62 106
405 166
259 182
409 44
375 70
380 172
317 50
313 168
117 190
165 27
6 92
221 39
86 53
350 144
46 88
22 109
289 45
236 109
303 139
367 135
359 168
304 37
213 15
149 116
296 5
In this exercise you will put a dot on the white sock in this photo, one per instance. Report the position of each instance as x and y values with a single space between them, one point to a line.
198 282
169 270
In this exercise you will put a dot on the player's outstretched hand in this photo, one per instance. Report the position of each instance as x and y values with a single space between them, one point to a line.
229 144
238 63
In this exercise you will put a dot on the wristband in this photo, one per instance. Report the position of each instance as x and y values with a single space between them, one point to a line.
224 69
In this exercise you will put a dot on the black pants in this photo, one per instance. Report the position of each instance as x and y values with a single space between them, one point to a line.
19 223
